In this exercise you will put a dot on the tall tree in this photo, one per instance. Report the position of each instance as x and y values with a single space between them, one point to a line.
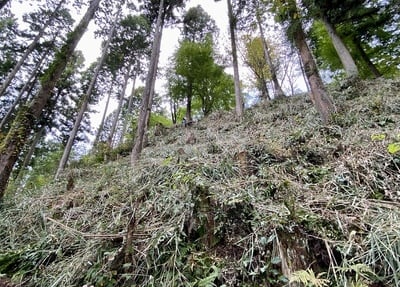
103 118
129 51
24 123
86 98
327 12
198 25
254 58
253 16
28 85
30 48
278 92
239 107
119 107
165 10
287 12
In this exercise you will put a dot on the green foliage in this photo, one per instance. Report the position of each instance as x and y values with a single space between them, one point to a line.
43 166
196 77
323 48
198 25
156 118
309 279
394 148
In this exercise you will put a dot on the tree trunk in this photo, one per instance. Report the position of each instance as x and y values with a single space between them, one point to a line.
85 101
128 111
119 108
238 92
189 97
344 54
278 92
100 129
149 87
28 84
373 69
28 50
28 116
319 96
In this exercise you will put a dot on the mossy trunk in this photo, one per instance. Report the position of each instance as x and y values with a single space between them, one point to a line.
27 117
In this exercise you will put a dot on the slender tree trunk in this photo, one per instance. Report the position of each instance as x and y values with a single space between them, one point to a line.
152 91
29 115
149 87
303 73
128 111
189 103
278 92
373 69
85 101
238 92
27 52
119 108
174 110
319 96
29 83
103 118
264 90
343 52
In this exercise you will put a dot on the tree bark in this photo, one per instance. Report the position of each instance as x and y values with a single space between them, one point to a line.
343 52
189 97
29 115
119 108
278 92
238 93
28 85
149 87
373 69
128 111
103 118
85 101
319 96
28 50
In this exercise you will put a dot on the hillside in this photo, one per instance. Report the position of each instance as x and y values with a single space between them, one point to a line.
275 197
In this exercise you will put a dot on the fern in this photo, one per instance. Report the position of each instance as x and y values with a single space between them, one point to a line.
308 278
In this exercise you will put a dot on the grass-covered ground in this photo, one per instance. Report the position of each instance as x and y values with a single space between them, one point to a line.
276 198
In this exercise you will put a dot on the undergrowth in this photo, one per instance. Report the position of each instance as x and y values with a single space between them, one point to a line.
276 200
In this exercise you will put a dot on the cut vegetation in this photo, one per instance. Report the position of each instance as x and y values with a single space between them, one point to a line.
279 199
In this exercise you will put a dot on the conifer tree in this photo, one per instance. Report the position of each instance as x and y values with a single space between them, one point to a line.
31 113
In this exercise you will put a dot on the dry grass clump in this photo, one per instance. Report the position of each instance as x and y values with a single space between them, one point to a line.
274 198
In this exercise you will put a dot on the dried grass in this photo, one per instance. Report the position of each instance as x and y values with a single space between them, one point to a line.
215 211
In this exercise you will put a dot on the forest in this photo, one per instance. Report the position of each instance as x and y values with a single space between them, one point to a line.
271 159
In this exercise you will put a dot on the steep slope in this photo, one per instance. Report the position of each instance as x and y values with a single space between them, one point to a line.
274 198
